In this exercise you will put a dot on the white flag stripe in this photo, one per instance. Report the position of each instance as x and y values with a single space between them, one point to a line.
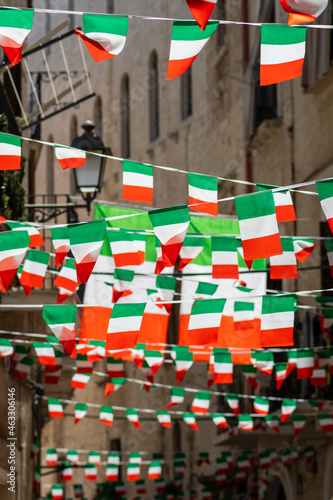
136 179
221 258
327 206
183 365
177 399
80 413
277 320
184 49
280 54
110 42
223 368
261 406
81 249
69 273
32 267
9 149
133 418
305 362
55 408
125 324
282 199
16 34
65 153
60 242
190 252
205 320
240 316
82 378
171 233
119 247
14 252
164 419
45 351
285 259
106 416
258 227
202 194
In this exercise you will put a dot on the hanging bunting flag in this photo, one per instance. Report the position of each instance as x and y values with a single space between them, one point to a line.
324 189
115 368
66 281
205 321
202 193
233 402
201 402
277 321
177 396
22 369
69 157
6 348
219 420
201 10
45 353
192 247
133 417
67 472
10 148
244 316
326 319
36 239
291 361
80 411
103 35
61 321
140 487
106 415
133 472
317 405
82 365
287 408
190 420
284 266
94 458
223 368
273 422
329 250
15 26
170 227
205 290
113 385
55 408
298 422
90 472
35 447
203 458
193 495
57 492
34 269
283 203
60 240
52 373
124 326
323 359
264 460
51 457
86 240
245 422
164 418
261 406
280 374
160 485
282 52
263 361
303 11
155 470
154 360
303 248
309 453
251 375
124 249
121 285
120 489
305 363
138 182
319 377
72 456
14 245
36 481
326 422
183 360
114 458
224 257
258 225
179 465
243 463
166 287
112 472
187 40
20 352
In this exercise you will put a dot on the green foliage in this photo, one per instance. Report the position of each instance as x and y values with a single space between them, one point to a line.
11 189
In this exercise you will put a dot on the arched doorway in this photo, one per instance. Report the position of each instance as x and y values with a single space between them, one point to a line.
275 490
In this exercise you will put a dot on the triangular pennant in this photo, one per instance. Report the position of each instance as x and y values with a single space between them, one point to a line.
60 240
15 26
61 321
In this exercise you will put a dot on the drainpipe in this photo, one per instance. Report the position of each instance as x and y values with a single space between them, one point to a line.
246 59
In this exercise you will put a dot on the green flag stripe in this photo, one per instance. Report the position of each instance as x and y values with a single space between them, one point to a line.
137 168
255 205
224 243
203 181
16 18
101 23
278 34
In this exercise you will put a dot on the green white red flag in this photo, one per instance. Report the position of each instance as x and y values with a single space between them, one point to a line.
154 360
103 35
283 203
155 470
291 361
309 453
183 360
133 472
317 405
190 420
51 457
124 326
35 447
124 249
133 417
138 182
303 248
272 421
82 364
112 472
114 457
10 148
191 248
67 472
202 193
57 492
36 239
69 157
187 40
243 463
305 363
20 352
90 472
22 369
201 10
233 402
251 375
298 422
66 281
61 321
140 487
177 397
94 457
280 373
223 368
15 26
80 411
121 286
106 415
164 418
114 368
72 456
284 266
34 269
319 377
329 250
325 193
80 380
277 321
36 481
205 290
219 420
201 402
13 247
205 321
326 422
263 361
86 240
113 385
261 406
160 485
303 11
287 408
166 287
55 408
45 353
6 348
224 257
60 240
245 422
282 52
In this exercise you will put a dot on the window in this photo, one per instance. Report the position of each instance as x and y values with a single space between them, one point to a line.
50 172
220 14
125 117
153 97
186 93
98 117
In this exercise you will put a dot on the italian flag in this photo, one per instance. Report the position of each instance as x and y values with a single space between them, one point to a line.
291 361
133 417
298 422
69 157
51 457
222 466
106 415
205 321
80 380
177 397
183 360
13 247
120 489
66 280
192 247
323 359
243 463
277 321
201 402
55 408
114 458
326 422
6 348
309 453
122 280
78 490
245 422
280 373
258 225
303 11
261 406
82 365
244 317
166 287
35 447
15 26
329 250
36 239
61 321
94 458
154 360
203 458
135 458
36 481
305 363
264 460
60 240
90 472
317 405
160 485
170 227
319 377
190 420
187 40
263 361
201 10
112 472
114 367
80 411
164 419
124 326
202 193
103 35
114 385
20 352
124 250
272 421
233 402
224 257
282 53
138 182
10 148
179 468
133 472
251 375
325 193
34 269
284 266
86 240
155 470
205 290
283 203
67 472
45 353
287 408
72 457
219 420
303 248
140 487
22 369
57 492
223 368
